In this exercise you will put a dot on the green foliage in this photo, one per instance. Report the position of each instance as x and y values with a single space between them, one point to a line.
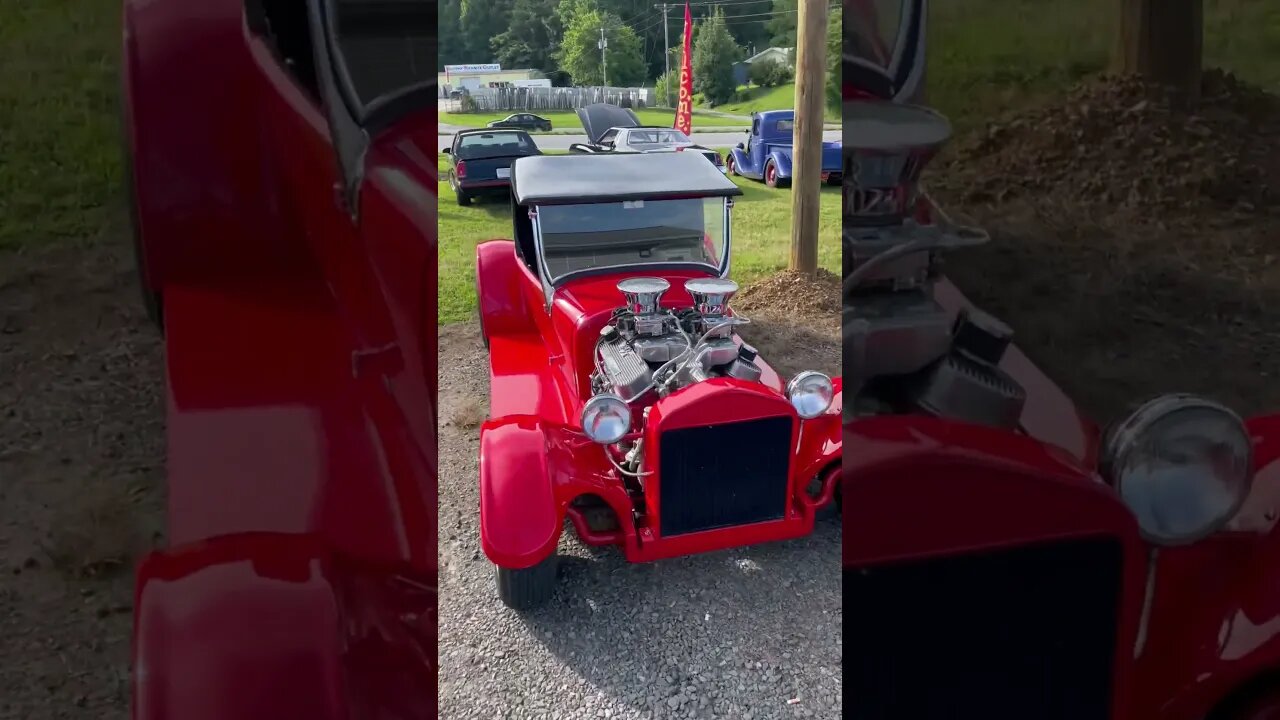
579 54
534 29
453 48
667 89
481 21
767 72
782 25
834 45
714 53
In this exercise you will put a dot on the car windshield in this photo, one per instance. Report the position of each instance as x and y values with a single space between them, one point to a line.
494 144
871 30
579 238
657 137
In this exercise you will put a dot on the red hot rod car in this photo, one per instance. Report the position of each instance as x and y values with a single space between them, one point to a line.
281 157
1004 557
621 397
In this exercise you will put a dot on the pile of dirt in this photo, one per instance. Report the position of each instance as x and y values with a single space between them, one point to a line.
1118 143
794 294
1135 239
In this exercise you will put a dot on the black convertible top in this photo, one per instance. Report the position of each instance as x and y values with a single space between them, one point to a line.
568 179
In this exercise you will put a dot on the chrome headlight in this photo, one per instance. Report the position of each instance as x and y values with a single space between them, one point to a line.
1182 464
810 393
606 419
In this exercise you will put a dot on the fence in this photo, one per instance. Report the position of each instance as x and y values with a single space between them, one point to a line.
556 98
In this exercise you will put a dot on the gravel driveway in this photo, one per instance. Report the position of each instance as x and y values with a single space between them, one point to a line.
749 633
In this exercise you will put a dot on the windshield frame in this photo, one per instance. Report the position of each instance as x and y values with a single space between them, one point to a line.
906 63
549 286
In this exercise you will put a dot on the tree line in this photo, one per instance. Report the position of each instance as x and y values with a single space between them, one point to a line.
560 38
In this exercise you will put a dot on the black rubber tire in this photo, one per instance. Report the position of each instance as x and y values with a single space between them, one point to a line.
484 336
463 198
730 165
525 589
152 300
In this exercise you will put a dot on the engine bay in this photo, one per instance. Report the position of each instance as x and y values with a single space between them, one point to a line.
904 352
646 352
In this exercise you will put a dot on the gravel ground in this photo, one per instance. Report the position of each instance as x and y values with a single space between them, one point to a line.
81 463
751 633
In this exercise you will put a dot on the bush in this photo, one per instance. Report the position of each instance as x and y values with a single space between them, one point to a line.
770 73
667 81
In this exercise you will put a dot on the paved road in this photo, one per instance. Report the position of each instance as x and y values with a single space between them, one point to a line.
562 142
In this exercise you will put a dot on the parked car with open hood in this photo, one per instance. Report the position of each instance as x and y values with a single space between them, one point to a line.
613 129
1006 557
280 158
622 397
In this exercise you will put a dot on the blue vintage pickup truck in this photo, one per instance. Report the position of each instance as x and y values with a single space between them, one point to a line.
767 153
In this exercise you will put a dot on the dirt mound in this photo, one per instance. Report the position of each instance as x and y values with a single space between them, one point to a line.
1118 143
792 293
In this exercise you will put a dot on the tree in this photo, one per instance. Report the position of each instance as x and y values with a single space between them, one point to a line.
767 72
782 25
452 49
481 21
835 41
531 37
714 53
666 89
1163 40
579 53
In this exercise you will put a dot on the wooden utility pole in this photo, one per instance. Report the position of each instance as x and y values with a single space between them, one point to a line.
1163 41
806 153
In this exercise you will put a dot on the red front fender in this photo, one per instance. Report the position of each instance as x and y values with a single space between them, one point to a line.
530 471
237 628
263 626
502 309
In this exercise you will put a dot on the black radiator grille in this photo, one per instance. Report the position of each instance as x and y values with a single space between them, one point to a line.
724 475
1014 634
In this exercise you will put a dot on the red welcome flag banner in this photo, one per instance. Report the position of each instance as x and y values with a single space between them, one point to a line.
684 108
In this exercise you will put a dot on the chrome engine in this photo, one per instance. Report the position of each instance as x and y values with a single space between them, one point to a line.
646 350
904 352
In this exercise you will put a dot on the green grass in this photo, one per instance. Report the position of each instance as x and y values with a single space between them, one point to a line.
568 119
60 156
761 238
989 56
782 97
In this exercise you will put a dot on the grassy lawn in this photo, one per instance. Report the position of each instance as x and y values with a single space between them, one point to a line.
59 130
988 56
568 120
761 238
782 97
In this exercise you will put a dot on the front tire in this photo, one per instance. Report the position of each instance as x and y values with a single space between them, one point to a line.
527 588
730 165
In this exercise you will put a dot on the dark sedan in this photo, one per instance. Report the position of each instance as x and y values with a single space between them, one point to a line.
523 121
480 161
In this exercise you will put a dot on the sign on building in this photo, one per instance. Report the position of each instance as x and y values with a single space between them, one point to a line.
479 68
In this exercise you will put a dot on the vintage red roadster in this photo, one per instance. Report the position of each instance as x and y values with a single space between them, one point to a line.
1004 556
281 158
621 397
